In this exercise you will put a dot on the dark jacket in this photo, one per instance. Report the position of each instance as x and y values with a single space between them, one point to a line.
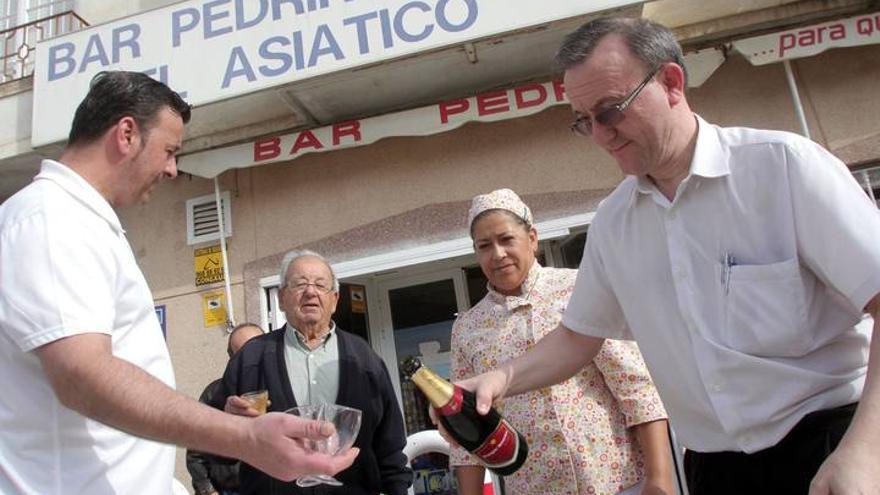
364 384
211 473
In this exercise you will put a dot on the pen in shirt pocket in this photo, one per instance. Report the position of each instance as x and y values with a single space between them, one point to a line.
729 263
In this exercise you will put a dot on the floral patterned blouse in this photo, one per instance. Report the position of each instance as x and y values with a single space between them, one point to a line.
577 431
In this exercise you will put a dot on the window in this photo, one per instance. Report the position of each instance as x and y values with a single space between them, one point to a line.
566 252
39 9
17 12
476 284
202 220
572 250
869 178
8 14
24 23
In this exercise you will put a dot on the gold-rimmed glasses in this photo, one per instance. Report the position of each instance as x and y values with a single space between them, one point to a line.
612 115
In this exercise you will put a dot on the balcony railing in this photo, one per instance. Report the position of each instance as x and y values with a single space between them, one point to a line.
19 42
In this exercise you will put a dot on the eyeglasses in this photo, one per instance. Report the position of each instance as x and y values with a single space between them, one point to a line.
612 115
320 286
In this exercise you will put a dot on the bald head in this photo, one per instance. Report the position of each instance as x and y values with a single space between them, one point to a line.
240 335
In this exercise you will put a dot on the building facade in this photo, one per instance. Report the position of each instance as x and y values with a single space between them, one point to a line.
373 162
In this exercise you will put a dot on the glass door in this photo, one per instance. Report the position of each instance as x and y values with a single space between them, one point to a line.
417 316
418 312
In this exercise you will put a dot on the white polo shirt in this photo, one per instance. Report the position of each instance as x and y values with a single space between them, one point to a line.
66 268
744 291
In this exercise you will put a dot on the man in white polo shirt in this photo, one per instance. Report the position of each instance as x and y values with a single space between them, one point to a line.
86 384
741 261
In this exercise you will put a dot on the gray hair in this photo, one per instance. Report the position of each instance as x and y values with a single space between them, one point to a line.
296 254
652 43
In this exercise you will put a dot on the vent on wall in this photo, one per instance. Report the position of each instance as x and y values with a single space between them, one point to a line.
202 221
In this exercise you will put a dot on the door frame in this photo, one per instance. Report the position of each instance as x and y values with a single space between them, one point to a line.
381 326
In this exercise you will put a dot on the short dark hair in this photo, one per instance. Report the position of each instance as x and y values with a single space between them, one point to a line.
117 94
652 43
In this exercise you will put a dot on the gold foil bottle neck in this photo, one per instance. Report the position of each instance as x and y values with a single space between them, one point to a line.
438 391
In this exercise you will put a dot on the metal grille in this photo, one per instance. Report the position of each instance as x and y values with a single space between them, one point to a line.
205 219
202 221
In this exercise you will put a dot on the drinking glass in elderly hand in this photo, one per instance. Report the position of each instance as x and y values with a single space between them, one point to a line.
259 400
347 422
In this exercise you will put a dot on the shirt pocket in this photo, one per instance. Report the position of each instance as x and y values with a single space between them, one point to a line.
765 311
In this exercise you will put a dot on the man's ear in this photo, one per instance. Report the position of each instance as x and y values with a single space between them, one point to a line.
126 135
672 78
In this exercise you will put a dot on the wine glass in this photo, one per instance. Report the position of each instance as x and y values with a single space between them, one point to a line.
347 422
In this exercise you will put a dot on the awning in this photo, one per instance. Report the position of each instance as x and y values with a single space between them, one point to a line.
445 116
811 40
808 41
442 117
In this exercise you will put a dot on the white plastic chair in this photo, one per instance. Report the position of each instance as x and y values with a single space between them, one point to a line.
427 441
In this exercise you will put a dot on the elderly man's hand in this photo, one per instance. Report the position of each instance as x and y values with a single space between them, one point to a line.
239 406
276 443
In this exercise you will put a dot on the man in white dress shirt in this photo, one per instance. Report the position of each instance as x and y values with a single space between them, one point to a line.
87 403
740 260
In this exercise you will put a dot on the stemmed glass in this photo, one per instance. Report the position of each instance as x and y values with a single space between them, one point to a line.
347 422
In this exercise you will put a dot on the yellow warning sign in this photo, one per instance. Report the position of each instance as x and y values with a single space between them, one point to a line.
214 308
209 265
358 298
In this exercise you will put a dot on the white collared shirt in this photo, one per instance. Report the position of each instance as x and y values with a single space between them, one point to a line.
744 291
66 268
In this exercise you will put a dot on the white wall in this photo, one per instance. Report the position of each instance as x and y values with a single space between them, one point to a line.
15 133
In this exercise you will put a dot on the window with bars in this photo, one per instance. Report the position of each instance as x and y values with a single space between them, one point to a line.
202 219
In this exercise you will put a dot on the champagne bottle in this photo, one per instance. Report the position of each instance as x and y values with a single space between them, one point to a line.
491 438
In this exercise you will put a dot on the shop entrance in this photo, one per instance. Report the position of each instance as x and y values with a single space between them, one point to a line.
417 313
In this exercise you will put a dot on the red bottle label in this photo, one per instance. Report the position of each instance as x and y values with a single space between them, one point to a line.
501 448
454 404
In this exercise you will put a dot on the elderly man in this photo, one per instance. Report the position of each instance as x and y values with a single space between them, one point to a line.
311 361
740 260
88 402
212 475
